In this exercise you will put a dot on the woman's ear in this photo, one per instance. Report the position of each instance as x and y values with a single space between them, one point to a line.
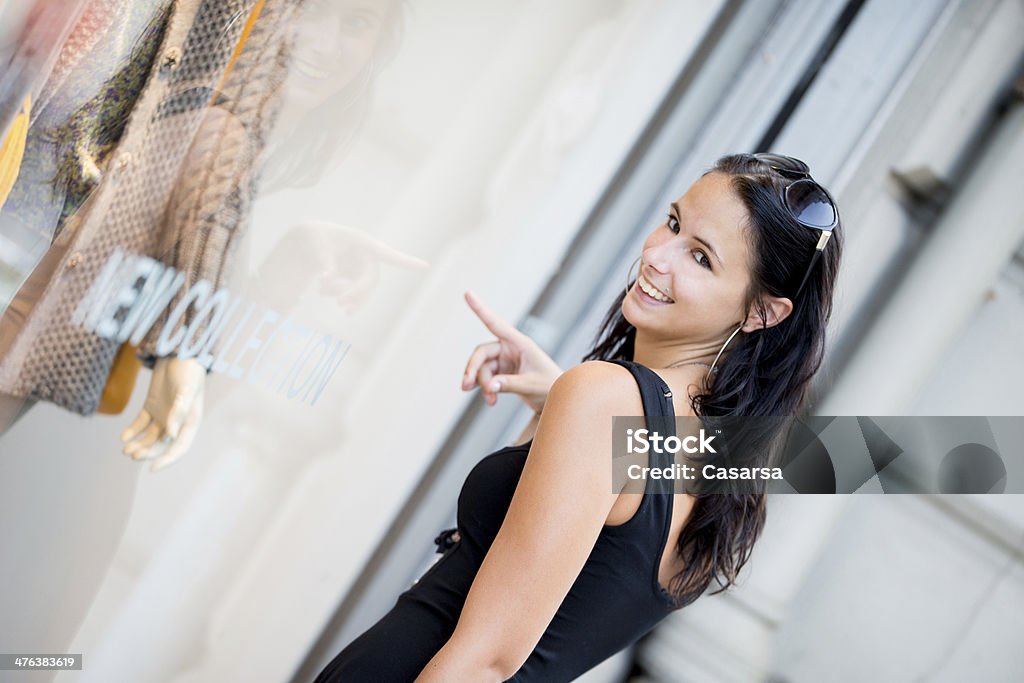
776 309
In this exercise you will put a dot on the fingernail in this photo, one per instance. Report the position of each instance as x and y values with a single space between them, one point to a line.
495 386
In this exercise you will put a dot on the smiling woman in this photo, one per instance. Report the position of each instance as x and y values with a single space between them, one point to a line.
340 47
554 569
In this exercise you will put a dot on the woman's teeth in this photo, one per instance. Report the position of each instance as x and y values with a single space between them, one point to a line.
310 71
650 291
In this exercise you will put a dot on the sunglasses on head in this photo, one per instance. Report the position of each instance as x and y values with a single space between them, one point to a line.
809 203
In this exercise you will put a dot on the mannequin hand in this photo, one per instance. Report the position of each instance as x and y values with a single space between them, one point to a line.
511 363
170 415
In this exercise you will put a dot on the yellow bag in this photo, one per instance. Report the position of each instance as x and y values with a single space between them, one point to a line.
120 382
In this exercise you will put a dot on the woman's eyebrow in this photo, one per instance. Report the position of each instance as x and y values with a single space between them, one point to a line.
675 207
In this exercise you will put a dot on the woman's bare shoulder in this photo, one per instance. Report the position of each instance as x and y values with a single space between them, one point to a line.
598 385
613 387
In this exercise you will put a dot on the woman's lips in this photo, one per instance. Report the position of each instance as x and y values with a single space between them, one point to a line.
644 285
310 71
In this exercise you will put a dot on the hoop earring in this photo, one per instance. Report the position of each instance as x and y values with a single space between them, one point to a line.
715 362
629 278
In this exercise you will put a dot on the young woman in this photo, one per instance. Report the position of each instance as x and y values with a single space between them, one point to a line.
549 571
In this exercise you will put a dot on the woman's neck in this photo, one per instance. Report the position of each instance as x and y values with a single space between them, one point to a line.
655 354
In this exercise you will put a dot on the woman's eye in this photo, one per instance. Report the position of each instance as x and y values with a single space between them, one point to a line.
672 223
358 23
703 259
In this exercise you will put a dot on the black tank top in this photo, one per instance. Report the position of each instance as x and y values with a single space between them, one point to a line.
615 600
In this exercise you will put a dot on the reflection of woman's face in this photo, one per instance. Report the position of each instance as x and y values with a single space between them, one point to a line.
334 41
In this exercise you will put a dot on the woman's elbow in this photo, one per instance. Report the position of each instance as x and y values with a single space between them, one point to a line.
455 664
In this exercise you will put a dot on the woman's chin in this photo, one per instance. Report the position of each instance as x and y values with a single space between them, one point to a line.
642 317
631 311
299 94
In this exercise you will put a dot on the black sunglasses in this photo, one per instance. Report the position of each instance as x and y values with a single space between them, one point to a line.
809 203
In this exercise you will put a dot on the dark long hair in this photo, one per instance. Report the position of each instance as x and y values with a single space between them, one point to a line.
763 373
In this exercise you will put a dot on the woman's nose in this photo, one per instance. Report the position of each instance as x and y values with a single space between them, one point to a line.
655 258
320 32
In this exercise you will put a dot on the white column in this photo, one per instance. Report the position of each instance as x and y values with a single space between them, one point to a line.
968 248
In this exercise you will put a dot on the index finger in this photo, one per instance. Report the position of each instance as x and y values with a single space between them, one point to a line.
393 256
494 323
384 251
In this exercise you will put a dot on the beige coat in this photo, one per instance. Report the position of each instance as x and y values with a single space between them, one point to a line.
178 188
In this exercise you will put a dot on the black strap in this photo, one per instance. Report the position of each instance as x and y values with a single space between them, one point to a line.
655 394
660 417
658 408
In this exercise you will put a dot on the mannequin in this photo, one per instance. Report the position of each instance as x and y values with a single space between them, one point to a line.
316 126
340 48
170 176
363 39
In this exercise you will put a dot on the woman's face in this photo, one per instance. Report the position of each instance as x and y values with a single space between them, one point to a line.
698 259
334 41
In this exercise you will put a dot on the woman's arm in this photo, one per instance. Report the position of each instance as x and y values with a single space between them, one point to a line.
529 430
558 509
